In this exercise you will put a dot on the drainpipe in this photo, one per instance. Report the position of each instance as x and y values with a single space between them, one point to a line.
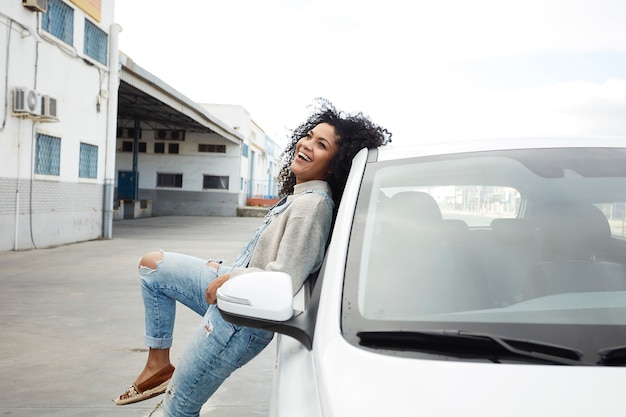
111 132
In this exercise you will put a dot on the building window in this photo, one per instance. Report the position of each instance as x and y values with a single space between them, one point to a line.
127 146
169 180
172 148
88 164
214 182
159 147
205 147
96 42
244 150
48 155
58 20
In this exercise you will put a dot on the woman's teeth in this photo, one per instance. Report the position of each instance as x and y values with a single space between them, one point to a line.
303 156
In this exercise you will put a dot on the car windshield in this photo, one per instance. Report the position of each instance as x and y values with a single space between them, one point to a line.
526 244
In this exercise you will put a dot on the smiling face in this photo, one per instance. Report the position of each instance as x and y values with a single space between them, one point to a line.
314 153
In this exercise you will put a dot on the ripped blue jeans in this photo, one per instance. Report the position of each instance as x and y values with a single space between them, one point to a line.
217 348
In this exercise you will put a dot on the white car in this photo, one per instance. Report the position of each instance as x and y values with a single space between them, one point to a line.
478 278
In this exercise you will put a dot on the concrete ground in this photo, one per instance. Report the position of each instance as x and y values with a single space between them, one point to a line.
71 322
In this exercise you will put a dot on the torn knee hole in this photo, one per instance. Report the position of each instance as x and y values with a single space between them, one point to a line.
150 260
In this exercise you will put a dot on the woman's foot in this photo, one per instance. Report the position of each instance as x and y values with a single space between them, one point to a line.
151 387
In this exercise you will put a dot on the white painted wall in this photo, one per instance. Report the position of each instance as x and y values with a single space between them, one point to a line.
189 162
50 210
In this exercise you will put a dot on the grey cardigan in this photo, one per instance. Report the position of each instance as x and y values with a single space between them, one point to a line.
295 239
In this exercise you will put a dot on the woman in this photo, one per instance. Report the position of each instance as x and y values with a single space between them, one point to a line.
292 239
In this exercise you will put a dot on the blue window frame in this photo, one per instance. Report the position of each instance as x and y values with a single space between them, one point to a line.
48 155
88 164
58 20
96 42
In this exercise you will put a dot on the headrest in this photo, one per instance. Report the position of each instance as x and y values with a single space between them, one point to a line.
419 205
414 215
574 232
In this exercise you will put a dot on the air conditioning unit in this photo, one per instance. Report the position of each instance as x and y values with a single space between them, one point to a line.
177 135
49 107
26 101
169 134
36 5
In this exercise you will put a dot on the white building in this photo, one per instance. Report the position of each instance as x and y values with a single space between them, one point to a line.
261 155
84 127
59 89
172 155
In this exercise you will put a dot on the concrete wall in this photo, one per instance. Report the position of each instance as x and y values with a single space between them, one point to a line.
50 212
188 203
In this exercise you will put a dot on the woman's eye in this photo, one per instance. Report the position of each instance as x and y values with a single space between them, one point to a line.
322 145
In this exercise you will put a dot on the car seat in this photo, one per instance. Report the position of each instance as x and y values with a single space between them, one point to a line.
576 241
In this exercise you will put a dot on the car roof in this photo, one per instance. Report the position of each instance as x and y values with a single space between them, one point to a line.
393 152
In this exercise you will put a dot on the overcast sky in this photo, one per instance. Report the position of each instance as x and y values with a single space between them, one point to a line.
427 70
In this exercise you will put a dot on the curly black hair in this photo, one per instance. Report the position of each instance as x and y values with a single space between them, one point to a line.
354 131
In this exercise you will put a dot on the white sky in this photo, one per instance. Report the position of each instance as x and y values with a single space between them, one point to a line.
427 70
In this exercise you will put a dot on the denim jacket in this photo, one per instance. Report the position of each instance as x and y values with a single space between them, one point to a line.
244 257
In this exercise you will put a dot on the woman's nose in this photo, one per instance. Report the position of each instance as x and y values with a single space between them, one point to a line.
306 143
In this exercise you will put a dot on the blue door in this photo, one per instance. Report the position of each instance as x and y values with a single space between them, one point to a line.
127 185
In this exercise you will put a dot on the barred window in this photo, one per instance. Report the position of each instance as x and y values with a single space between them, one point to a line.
48 155
96 42
205 147
172 148
127 146
88 164
58 20
159 147
169 180
215 182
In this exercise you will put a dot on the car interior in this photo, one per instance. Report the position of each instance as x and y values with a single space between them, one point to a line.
429 261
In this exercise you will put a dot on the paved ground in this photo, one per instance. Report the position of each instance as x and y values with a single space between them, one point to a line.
71 322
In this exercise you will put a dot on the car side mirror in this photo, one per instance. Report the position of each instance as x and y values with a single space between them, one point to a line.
261 295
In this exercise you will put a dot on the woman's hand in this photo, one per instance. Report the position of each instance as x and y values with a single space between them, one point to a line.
211 290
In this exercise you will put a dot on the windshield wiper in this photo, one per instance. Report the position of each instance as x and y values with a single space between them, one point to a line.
613 356
465 344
